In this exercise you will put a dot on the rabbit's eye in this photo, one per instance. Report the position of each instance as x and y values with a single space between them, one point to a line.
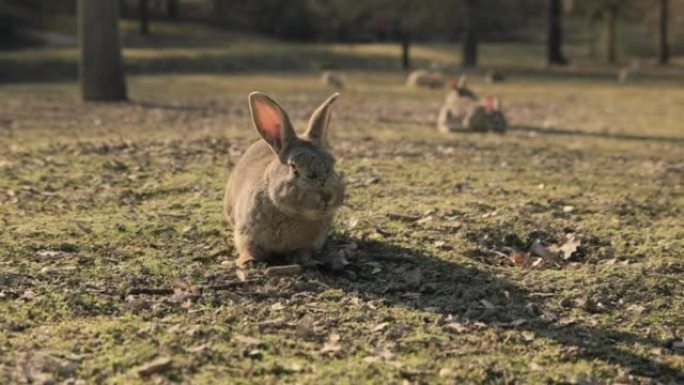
294 169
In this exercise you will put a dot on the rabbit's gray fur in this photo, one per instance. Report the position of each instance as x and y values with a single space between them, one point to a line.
284 192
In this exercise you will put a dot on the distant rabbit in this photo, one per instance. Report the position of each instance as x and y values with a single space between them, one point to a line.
459 101
333 79
284 192
486 116
425 79
464 110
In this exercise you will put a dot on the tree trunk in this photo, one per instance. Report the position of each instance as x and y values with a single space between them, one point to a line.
143 14
219 7
663 43
172 9
469 34
610 16
405 47
555 34
100 66
123 9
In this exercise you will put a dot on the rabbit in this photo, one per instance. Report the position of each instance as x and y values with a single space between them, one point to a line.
459 101
464 110
486 116
283 193
333 79
425 79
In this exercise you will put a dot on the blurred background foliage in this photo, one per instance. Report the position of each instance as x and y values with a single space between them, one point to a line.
369 20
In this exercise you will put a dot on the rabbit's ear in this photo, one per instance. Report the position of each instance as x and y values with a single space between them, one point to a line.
462 81
496 103
320 121
272 122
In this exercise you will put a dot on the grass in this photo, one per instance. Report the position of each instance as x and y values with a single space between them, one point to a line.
98 199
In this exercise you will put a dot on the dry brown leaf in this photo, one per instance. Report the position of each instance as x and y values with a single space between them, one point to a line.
570 246
199 348
157 365
528 335
330 348
521 260
248 341
456 326
379 327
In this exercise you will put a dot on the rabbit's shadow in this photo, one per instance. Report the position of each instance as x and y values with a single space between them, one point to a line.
404 277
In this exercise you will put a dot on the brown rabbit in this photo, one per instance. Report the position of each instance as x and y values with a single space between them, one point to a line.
333 79
487 116
459 101
284 191
464 110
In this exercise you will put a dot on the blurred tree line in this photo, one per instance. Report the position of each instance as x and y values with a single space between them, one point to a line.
404 21
348 20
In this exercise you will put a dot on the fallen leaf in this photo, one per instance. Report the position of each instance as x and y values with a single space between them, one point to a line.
570 246
248 341
456 326
330 348
442 245
379 327
539 262
382 232
199 348
254 354
157 365
636 308
521 260
528 335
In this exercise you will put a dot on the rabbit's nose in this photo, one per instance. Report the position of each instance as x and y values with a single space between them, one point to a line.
326 197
